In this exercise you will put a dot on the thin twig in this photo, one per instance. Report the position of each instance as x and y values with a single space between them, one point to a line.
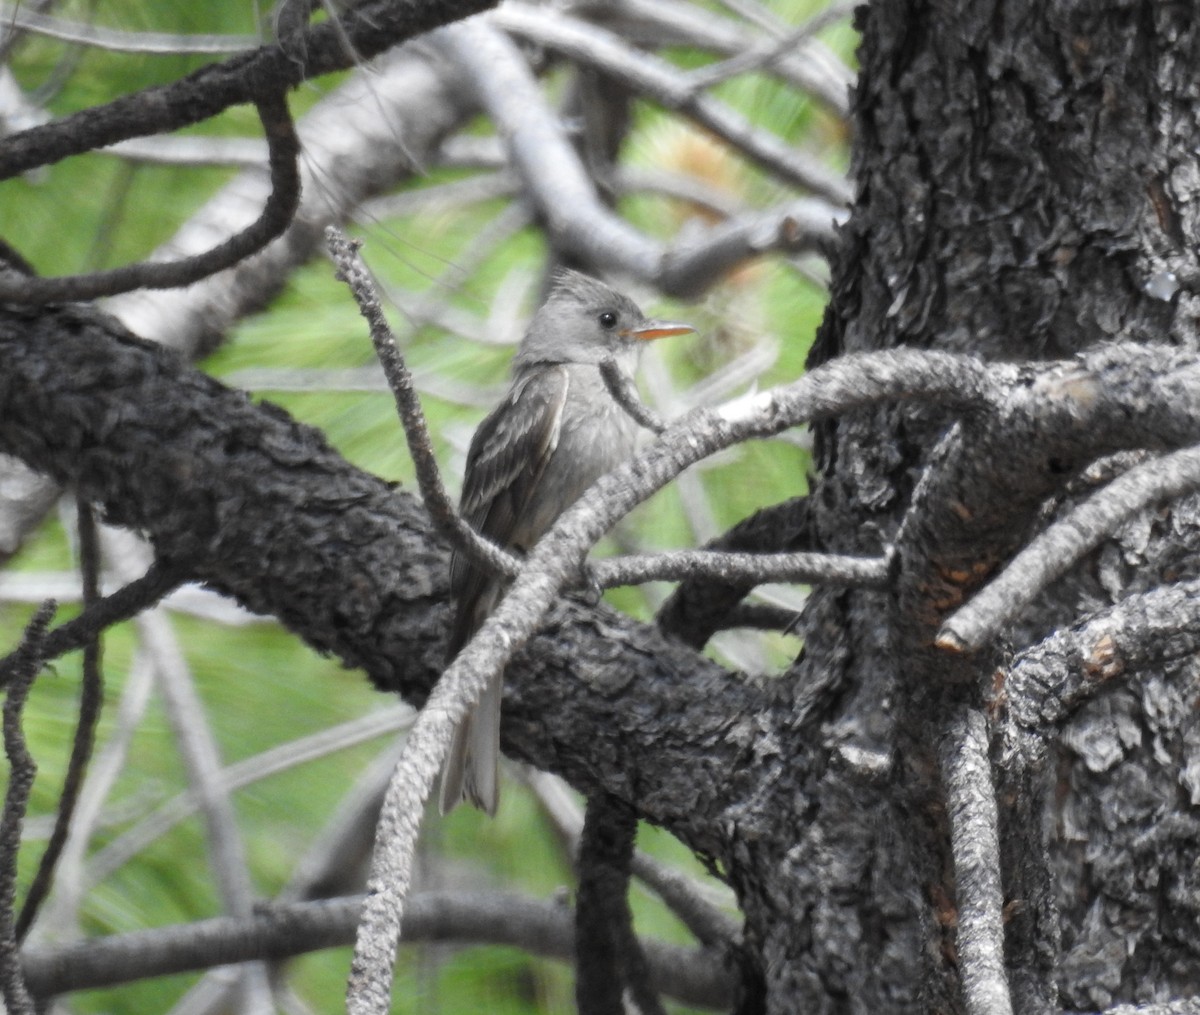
91 701
621 387
353 272
22 667
60 917
811 66
768 53
1064 543
276 216
114 40
749 568
974 838
128 601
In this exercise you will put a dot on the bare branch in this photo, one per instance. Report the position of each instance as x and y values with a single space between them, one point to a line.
743 568
974 835
91 700
20 670
813 68
125 603
608 957
353 272
1046 683
277 213
572 212
1064 543
768 53
117 41
687 898
283 931
621 386
557 183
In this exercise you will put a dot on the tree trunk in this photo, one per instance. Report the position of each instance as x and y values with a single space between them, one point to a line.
1027 186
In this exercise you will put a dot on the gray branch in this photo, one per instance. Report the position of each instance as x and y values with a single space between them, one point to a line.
974 839
753 568
572 213
1064 543
659 80
283 931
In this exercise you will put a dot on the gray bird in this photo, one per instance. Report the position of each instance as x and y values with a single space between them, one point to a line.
556 432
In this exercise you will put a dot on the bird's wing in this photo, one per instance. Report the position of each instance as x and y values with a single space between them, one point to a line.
507 457
510 449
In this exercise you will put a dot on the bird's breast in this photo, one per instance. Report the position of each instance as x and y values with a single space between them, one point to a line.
595 436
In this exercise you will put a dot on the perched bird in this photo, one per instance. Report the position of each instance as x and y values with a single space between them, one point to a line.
557 430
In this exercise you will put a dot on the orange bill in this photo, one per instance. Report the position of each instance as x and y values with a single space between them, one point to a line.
658 329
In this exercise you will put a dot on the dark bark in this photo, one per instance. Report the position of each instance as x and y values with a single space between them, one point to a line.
1026 175
262 509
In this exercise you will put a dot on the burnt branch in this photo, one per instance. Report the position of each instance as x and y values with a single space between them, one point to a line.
21 668
91 700
283 152
608 958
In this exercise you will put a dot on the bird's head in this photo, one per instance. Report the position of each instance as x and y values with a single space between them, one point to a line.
585 321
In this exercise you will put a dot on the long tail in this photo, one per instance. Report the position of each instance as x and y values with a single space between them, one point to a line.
472 769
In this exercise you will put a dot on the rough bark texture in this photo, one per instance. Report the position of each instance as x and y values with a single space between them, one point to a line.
1027 179
1027 187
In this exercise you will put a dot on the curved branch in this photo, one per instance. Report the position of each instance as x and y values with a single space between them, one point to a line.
91 700
353 272
284 151
566 199
21 669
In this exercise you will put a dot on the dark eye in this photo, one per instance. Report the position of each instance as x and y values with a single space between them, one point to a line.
607 319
